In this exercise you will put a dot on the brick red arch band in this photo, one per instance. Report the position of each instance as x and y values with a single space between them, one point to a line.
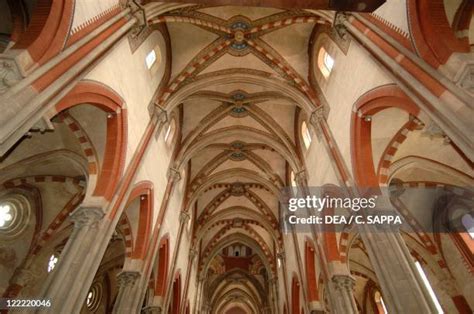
380 98
144 191
310 265
433 37
47 30
93 93
163 261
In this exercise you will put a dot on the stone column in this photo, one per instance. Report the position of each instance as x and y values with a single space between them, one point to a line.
344 287
67 278
206 309
402 287
22 106
198 299
127 290
444 110
183 219
152 310
192 254
273 282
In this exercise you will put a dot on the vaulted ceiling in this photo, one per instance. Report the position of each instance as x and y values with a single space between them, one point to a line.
234 77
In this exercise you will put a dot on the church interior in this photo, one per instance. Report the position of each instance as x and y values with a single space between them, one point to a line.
145 145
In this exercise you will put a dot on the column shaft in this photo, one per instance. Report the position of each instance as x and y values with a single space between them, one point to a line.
128 286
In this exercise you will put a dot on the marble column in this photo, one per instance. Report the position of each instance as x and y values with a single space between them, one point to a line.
127 290
67 279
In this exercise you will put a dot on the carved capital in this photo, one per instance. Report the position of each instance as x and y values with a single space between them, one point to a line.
152 310
127 278
192 253
281 255
343 282
466 80
162 114
432 130
339 19
9 73
184 217
301 177
86 216
138 12
317 116
173 174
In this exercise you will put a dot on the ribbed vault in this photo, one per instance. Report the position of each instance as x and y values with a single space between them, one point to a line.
238 140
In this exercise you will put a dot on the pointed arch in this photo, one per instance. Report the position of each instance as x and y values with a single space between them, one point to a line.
380 98
295 295
310 266
433 37
176 298
101 96
47 31
163 261
144 191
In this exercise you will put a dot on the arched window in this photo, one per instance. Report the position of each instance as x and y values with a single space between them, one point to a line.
468 223
305 134
428 287
325 62
170 130
294 184
53 260
176 295
150 59
379 303
310 265
153 60
295 296
293 179
163 256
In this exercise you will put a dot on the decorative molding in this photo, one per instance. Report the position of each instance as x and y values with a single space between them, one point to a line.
184 217
432 130
339 19
174 174
390 25
343 282
10 73
86 217
127 278
466 80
